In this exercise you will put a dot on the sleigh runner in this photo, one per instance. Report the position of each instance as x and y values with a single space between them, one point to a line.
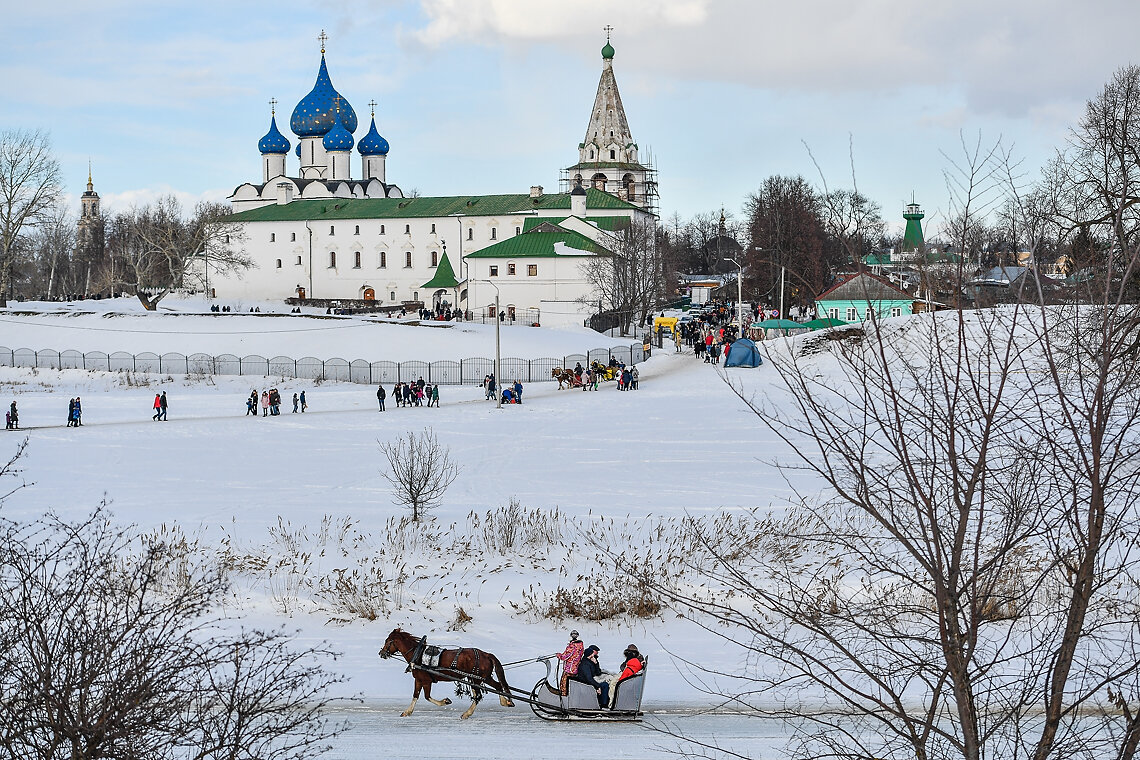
475 672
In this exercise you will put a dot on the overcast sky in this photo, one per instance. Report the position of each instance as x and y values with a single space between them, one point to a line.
492 96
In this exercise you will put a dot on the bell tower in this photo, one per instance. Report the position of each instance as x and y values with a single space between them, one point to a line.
89 238
607 156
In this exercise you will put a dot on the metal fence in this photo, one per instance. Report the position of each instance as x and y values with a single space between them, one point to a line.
445 372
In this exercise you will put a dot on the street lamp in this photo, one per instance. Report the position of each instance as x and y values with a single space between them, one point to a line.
498 345
739 294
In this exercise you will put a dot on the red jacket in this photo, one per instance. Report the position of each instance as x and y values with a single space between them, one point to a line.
157 402
632 668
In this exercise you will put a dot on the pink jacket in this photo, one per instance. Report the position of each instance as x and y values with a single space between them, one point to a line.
572 656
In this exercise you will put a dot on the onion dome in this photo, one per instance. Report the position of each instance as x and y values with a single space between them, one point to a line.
338 138
608 51
274 141
298 150
315 115
372 144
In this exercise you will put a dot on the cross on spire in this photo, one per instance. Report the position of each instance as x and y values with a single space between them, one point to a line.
372 105
322 37
273 106
607 28
336 100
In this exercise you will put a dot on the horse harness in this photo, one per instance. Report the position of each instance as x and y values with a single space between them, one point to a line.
427 657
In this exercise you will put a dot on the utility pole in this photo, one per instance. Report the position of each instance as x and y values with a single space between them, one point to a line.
782 315
498 351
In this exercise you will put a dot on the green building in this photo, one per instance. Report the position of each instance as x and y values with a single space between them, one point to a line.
863 296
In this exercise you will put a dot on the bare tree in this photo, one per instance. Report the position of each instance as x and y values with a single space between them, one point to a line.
109 648
629 281
420 471
963 584
156 248
30 186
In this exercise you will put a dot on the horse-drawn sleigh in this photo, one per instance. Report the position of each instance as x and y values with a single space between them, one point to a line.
475 672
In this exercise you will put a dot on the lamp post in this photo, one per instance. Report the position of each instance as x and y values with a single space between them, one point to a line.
498 346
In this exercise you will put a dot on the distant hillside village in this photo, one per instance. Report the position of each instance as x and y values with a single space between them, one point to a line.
327 226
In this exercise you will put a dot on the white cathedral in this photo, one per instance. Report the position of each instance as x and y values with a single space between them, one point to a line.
320 234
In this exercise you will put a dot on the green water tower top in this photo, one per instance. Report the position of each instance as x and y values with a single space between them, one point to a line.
912 237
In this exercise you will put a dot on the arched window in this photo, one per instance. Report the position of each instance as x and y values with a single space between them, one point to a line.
272 237
356 260
392 296
332 230
599 181
613 155
383 260
435 258
381 229
292 237
494 234
416 295
407 229
510 268
298 261
470 233
357 230
407 259
332 259
278 263
433 228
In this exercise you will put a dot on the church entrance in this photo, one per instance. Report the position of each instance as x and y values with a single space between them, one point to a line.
369 294
301 293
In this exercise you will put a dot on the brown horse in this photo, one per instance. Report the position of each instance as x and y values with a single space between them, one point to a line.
471 668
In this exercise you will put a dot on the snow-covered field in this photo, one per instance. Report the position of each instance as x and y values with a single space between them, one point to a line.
308 485
185 325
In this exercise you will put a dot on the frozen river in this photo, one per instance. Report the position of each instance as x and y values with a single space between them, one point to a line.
437 733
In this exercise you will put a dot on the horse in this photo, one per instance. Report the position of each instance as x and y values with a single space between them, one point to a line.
470 668
564 376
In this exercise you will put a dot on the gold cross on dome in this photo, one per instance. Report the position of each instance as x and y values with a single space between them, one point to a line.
273 106
607 28
322 37
372 105
336 100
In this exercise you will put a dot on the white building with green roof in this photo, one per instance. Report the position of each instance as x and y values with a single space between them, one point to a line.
324 235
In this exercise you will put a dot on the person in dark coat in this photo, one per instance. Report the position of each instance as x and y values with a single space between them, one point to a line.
77 413
71 412
590 672
161 401
380 396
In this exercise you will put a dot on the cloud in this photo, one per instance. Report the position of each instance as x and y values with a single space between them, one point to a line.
1018 58
487 20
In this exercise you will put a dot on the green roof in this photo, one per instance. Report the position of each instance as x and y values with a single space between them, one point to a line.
598 165
444 276
539 243
607 223
411 208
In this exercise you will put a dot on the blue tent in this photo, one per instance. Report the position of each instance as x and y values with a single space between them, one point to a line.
743 353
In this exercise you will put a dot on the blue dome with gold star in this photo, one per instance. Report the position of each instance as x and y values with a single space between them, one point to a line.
298 150
274 141
372 144
315 114
338 138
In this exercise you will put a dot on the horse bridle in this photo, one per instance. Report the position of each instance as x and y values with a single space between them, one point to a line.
387 652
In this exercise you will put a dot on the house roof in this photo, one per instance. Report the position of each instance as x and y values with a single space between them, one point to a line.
444 276
607 223
600 165
542 242
863 286
410 208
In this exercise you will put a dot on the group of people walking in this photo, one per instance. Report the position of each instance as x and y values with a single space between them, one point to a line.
418 393
580 663
160 406
271 403
74 412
